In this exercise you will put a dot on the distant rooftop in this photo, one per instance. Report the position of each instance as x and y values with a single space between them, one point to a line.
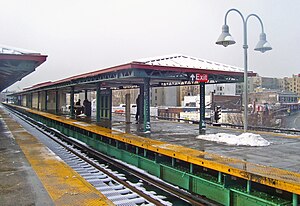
13 50
179 60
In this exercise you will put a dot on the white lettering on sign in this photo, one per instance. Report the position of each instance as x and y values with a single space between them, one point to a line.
201 77
192 77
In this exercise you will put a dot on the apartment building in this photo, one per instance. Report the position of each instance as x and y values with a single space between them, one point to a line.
292 84
258 82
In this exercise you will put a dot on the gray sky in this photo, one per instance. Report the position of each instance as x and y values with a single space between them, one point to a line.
80 36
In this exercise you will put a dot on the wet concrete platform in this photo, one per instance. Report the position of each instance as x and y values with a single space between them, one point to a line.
19 185
283 152
30 174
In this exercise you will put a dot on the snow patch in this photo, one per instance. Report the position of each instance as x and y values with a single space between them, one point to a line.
164 146
244 139
81 124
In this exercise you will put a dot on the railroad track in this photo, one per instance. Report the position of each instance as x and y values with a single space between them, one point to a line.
87 155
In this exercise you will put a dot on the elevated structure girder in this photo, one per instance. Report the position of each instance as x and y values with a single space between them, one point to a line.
134 75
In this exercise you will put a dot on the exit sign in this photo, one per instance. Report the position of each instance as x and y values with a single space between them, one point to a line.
199 77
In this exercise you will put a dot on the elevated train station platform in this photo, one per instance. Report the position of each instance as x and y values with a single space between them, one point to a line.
226 174
229 175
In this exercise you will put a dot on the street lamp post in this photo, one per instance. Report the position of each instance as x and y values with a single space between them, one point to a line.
226 39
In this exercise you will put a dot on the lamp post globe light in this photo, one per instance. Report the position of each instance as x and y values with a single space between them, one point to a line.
226 39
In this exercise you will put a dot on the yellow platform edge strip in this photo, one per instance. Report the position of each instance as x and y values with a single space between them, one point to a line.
63 184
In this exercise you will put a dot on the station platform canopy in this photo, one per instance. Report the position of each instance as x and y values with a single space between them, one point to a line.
17 63
169 70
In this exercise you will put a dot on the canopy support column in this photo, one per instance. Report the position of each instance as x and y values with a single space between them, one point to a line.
46 100
202 126
38 100
72 111
147 126
140 105
85 94
31 100
98 96
56 102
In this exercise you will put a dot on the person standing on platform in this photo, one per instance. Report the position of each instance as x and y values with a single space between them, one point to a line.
87 107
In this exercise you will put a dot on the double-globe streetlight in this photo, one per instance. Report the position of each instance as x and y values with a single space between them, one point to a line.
226 39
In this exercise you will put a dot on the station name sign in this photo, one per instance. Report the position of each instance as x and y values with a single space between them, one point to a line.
199 77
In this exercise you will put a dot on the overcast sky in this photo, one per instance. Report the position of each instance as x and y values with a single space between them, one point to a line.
81 36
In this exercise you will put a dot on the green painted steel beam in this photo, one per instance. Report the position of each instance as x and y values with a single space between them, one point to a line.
295 199
248 186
